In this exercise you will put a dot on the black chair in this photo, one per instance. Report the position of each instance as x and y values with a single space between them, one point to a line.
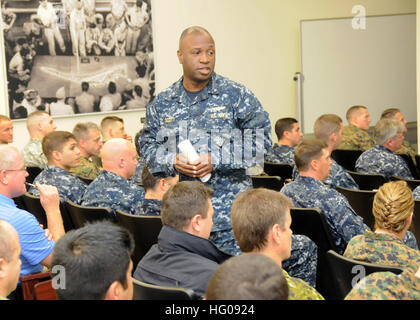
82 214
273 183
417 157
282 170
410 163
33 172
346 158
312 223
361 201
33 205
412 184
145 230
368 181
145 291
346 272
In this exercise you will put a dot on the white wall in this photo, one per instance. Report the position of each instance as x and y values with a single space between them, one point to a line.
258 45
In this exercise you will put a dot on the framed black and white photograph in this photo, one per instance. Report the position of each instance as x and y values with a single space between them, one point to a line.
77 56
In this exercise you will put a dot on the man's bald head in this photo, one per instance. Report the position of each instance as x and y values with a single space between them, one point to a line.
9 240
193 29
119 156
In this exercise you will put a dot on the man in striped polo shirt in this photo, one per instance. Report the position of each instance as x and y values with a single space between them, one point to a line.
36 247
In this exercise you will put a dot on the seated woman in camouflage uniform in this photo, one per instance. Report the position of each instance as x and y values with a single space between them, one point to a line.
393 207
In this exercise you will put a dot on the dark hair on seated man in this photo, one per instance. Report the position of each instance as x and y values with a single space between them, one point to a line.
97 263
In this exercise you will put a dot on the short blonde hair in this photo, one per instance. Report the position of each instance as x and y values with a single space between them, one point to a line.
392 206
326 125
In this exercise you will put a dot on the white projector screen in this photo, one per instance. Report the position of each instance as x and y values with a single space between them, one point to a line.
342 67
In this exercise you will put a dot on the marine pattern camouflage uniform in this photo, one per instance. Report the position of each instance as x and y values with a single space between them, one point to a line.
300 290
115 192
32 154
69 187
382 248
356 139
281 154
387 286
86 169
343 222
381 160
215 122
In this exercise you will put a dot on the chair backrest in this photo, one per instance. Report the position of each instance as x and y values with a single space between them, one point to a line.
412 183
81 214
29 281
45 291
347 272
145 230
269 182
282 170
33 172
312 223
368 181
33 205
417 158
410 163
145 291
361 201
346 158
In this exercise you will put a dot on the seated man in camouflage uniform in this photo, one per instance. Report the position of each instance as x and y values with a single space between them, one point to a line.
356 135
39 123
406 147
261 224
307 191
155 186
112 188
60 148
288 135
329 128
89 142
389 134
387 286
113 127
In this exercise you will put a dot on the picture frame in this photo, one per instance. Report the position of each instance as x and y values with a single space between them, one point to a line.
51 48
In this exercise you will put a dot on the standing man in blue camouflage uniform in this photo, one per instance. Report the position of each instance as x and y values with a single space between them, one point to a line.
329 128
289 136
224 121
112 188
389 135
62 152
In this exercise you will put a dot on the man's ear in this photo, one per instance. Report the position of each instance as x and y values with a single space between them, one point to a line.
275 233
56 155
2 268
195 223
114 291
180 56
